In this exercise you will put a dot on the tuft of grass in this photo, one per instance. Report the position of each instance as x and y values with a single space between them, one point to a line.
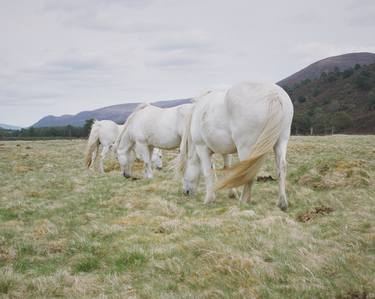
6 285
87 264
129 259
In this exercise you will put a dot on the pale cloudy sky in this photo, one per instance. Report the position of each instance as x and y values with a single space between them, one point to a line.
65 56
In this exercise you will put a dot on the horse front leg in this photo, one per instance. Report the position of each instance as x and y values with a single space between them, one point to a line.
145 152
205 159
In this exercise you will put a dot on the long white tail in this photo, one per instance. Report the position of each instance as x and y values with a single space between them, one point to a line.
92 144
126 125
245 171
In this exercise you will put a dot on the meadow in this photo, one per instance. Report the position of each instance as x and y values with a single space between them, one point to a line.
70 232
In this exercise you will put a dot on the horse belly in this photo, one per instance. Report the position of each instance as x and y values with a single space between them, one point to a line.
214 127
219 141
163 137
164 142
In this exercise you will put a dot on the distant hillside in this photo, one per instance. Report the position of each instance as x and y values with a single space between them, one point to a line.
342 101
327 65
9 127
117 113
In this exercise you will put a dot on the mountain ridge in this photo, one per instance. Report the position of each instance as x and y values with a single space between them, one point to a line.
342 62
118 113
330 67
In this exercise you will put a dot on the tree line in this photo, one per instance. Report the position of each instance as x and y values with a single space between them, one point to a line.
48 132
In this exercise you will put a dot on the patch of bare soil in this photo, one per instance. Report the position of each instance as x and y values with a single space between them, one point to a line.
333 174
265 178
352 294
317 211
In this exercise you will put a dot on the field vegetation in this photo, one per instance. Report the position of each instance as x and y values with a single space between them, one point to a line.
69 232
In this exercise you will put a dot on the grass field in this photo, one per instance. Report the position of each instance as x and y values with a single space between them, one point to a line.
69 232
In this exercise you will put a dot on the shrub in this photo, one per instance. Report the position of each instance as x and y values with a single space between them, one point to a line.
347 73
316 92
341 120
371 100
362 82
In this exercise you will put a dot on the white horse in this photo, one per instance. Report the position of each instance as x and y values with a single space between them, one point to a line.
148 127
250 119
105 132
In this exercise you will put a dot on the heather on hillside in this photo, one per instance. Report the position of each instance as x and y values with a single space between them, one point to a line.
342 101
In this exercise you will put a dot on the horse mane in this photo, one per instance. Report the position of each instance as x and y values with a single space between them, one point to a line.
127 123
179 163
197 98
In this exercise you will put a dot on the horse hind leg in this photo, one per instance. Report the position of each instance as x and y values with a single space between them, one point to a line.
103 155
93 156
280 149
227 164
246 192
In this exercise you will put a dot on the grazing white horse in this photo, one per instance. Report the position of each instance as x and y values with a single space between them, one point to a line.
250 119
105 132
148 127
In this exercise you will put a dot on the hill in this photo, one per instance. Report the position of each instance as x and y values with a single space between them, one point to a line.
117 113
338 102
327 65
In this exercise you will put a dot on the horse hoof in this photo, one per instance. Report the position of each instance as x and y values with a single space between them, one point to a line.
283 206
209 200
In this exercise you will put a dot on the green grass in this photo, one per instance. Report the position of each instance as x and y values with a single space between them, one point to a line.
69 232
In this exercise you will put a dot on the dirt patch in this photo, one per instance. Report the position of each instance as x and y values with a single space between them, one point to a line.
22 168
332 174
113 165
352 294
317 211
265 178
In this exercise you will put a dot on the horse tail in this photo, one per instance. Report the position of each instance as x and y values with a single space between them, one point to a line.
245 171
185 144
126 124
92 144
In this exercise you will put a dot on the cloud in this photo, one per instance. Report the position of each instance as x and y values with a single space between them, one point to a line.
13 97
173 45
106 16
175 62
70 65
305 17
323 50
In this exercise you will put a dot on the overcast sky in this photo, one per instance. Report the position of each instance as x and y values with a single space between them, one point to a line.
64 56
